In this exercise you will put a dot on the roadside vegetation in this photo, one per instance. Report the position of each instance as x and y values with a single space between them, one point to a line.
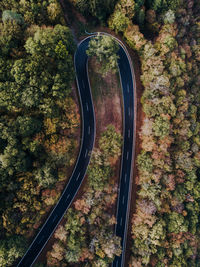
165 35
38 118
165 226
98 9
39 123
87 238
104 49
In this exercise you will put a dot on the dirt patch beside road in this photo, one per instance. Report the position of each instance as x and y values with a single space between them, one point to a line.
107 97
108 106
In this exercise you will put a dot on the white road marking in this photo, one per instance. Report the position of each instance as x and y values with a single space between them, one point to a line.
83 84
55 217
127 155
129 133
86 153
129 111
128 88
41 239
121 222
125 177
78 176
123 200
67 198
87 106
89 130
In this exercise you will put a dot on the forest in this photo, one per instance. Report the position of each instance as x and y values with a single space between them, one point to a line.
165 36
87 237
165 225
40 121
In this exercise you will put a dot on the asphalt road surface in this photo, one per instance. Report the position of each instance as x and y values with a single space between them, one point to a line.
88 136
127 83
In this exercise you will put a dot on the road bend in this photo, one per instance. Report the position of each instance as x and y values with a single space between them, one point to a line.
87 143
88 137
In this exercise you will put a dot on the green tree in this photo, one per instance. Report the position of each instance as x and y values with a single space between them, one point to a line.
157 4
11 249
161 126
145 162
10 15
54 11
28 126
122 15
105 49
169 17
110 142
118 21
99 171
177 223
46 175
173 4
75 236
45 41
11 36
100 9
35 11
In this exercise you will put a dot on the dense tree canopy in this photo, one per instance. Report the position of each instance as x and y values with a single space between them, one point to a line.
34 11
87 236
38 119
38 125
11 249
97 8
165 223
105 49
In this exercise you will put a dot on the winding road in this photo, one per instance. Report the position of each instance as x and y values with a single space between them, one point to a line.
87 143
